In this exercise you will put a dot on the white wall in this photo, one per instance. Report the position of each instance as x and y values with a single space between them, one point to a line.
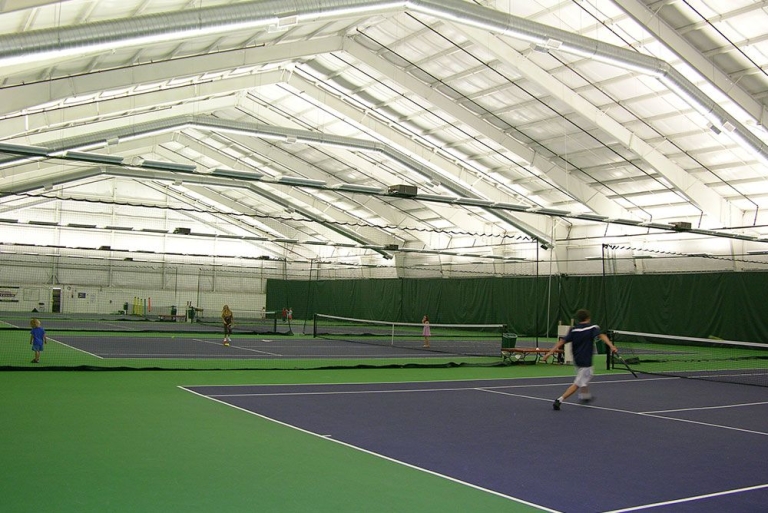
100 286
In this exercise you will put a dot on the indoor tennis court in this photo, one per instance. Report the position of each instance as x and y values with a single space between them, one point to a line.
700 442
342 256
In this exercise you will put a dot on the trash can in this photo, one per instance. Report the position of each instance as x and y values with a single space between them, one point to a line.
508 340
125 308
191 314
173 313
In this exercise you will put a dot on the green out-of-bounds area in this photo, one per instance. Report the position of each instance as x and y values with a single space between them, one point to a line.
134 441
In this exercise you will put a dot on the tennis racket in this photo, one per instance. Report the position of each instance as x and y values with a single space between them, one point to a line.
624 362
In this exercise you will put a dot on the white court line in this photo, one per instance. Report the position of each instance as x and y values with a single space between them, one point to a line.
237 347
387 458
710 407
401 390
564 379
349 392
689 499
641 414
75 348
121 326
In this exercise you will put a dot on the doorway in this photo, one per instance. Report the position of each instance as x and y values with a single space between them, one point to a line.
56 300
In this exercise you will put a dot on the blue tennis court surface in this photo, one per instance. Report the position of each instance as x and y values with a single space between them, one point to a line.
655 444
210 346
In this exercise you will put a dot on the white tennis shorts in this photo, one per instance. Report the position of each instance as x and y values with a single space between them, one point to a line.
583 376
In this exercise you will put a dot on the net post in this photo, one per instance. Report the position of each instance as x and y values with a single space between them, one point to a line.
608 354
314 325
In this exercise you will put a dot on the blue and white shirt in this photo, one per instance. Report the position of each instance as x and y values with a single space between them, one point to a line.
582 336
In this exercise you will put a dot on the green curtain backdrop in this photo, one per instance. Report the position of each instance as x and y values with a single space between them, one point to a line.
725 305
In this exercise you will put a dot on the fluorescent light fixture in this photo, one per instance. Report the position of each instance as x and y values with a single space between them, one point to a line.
438 198
167 166
592 217
153 230
20 149
642 257
233 173
295 180
78 225
758 252
705 232
286 241
552 212
657 226
594 258
699 254
512 206
475 201
629 222
350 187
98 158
552 44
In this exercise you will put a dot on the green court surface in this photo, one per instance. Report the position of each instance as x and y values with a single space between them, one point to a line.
133 441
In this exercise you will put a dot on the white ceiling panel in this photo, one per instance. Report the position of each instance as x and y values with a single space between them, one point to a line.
638 110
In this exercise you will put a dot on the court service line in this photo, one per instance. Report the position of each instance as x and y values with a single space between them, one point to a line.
372 453
354 392
639 413
122 327
689 499
237 347
565 380
400 390
710 407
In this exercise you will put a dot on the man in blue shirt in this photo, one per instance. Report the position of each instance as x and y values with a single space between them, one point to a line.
582 338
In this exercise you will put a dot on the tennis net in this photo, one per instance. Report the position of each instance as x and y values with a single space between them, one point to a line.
701 358
249 321
455 339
